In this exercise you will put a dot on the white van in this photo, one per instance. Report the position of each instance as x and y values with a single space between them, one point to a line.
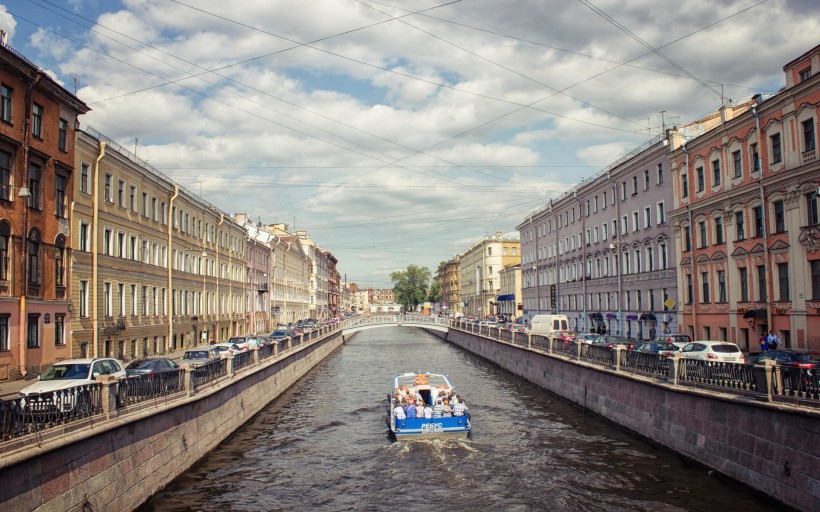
545 324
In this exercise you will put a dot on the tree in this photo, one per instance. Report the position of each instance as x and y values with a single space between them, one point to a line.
411 286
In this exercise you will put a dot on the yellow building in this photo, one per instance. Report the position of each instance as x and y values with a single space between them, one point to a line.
479 267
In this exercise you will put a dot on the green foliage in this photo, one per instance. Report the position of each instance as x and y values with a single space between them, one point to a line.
411 287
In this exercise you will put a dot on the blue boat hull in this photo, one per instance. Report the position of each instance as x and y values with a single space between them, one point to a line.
421 428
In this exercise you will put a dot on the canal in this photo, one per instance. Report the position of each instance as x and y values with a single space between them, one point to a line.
323 445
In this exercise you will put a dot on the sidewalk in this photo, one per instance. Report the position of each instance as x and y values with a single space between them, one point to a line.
9 389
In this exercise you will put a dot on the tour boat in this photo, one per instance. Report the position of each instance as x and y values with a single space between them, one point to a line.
445 422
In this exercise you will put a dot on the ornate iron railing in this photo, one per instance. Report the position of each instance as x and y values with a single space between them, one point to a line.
138 388
39 411
209 372
242 360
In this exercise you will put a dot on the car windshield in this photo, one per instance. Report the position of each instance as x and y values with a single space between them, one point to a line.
142 365
196 355
280 333
725 347
66 371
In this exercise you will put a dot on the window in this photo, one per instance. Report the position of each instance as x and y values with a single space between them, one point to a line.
715 173
755 157
761 283
684 185
60 186
646 179
107 299
779 217
83 302
634 185
120 299
702 229
664 256
59 330
815 279
4 333
134 299
59 261
120 245
701 179
624 225
636 221
737 164
145 204
34 177
660 174
758 214
33 331
108 242
5 176
623 191
808 135
811 204
721 275
741 227
62 140
85 230
34 257
5 237
107 194
783 280
647 217
704 279
689 289
804 74
661 213
84 186
687 239
121 193
37 121
777 150
744 284
154 209
5 105
718 230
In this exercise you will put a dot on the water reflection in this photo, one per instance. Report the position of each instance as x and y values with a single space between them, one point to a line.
324 445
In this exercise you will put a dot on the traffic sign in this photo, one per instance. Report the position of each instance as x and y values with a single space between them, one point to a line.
669 303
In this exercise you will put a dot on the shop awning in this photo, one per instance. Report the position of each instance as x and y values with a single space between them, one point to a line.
759 313
505 298
648 316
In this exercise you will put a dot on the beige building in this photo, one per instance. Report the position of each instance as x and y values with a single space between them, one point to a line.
449 279
479 267
154 268
290 276
508 302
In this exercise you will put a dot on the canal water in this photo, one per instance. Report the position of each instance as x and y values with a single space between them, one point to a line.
324 446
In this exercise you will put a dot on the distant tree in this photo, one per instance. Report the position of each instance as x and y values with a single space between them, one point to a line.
435 291
412 286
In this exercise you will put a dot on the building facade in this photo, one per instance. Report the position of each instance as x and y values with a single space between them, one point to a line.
746 219
450 286
509 299
154 268
600 253
479 268
38 119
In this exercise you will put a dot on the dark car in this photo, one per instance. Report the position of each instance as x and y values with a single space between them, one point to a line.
279 335
657 347
151 365
611 341
800 369
679 340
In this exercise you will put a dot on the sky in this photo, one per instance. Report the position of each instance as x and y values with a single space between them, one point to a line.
395 132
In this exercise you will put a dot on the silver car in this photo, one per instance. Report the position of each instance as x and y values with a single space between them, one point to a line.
718 351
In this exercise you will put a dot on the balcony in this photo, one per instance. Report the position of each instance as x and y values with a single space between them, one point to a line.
809 156
262 287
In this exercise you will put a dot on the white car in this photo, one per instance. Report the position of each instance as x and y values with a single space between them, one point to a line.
60 389
718 351
225 349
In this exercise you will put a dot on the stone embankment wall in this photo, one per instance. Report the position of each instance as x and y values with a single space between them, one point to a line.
773 448
117 464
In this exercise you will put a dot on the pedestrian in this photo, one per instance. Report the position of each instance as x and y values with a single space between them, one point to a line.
772 340
652 333
764 342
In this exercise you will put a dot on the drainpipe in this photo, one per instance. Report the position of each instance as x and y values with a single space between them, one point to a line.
218 298
95 207
766 263
692 273
170 267
24 235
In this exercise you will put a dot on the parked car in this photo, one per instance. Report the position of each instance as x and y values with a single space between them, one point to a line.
150 365
74 372
658 347
225 349
612 340
789 357
587 338
708 350
279 335
201 355
679 340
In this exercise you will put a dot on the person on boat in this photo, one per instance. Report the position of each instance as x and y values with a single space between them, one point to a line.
448 411
399 412
428 412
459 409
410 410
438 409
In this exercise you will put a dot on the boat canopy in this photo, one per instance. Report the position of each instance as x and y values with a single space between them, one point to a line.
409 380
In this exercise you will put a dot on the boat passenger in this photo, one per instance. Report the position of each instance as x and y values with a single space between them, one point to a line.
399 412
459 409
448 411
428 412
410 410
438 409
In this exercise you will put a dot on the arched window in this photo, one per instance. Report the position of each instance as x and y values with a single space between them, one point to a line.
59 261
5 236
34 257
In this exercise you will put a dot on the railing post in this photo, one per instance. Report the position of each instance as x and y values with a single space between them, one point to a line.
580 346
529 340
619 350
230 366
290 343
275 348
256 359
764 381
189 380
675 370
108 395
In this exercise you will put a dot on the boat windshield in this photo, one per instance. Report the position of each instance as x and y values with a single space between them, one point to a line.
410 380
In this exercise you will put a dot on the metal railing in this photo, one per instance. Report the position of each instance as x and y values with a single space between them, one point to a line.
801 383
723 375
139 388
209 372
39 411
242 360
